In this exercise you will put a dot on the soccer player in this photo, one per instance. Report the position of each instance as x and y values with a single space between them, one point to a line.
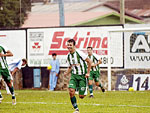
14 66
4 72
79 72
94 73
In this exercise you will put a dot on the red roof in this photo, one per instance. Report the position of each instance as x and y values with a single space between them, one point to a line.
132 4
52 19
140 8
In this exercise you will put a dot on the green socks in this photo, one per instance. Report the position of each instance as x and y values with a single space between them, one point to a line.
91 89
11 90
74 102
100 85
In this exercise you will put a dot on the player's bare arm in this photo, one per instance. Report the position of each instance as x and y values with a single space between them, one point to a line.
99 62
68 71
94 65
14 71
89 63
8 53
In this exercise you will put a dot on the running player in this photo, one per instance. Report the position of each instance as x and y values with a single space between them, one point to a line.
95 71
79 72
14 66
4 72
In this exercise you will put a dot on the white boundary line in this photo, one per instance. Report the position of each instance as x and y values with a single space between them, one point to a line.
46 91
135 106
108 105
28 102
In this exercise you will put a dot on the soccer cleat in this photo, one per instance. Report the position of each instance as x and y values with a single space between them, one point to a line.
13 100
103 90
76 92
76 110
1 98
91 96
8 93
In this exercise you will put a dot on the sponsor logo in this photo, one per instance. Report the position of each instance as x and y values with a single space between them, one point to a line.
140 43
36 43
124 82
82 88
59 40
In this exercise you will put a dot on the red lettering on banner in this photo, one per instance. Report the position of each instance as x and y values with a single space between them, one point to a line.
104 42
79 42
65 52
64 43
85 44
75 36
57 40
2 35
94 40
86 40
100 52
58 52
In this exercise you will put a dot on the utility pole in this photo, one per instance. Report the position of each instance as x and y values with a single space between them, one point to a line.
61 12
20 14
122 12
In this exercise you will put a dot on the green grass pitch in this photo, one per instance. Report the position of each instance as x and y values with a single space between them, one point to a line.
36 101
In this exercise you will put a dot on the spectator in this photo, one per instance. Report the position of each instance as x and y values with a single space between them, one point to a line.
53 72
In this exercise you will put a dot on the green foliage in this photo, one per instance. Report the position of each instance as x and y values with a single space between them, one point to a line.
34 101
10 14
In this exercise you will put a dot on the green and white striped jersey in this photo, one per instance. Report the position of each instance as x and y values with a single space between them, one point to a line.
77 62
95 58
3 62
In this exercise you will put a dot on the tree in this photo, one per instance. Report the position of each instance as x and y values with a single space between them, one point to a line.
10 14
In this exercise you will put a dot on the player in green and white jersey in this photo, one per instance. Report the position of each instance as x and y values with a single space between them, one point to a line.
79 72
95 71
5 73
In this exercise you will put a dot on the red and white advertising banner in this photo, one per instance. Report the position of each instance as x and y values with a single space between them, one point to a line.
15 41
45 41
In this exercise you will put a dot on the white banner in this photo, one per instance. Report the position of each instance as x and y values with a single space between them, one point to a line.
45 41
137 48
141 82
15 41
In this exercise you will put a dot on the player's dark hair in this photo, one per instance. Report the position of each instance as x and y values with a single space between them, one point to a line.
90 48
72 40
54 54
24 60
